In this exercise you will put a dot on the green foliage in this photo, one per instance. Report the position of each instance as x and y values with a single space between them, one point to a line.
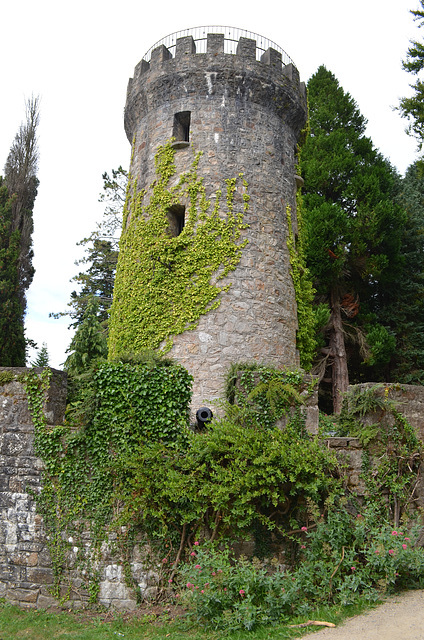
165 283
307 321
392 451
224 482
12 341
42 359
344 559
262 395
353 224
382 344
405 312
412 107
118 408
20 173
89 342
101 254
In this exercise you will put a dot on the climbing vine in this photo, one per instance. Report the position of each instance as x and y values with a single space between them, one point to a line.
165 283
392 453
304 292
119 408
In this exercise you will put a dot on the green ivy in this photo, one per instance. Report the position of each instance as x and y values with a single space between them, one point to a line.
120 407
392 452
262 395
304 292
164 284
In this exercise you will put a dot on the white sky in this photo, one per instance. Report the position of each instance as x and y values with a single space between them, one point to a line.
78 57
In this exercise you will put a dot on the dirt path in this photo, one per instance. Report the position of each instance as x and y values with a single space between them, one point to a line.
401 617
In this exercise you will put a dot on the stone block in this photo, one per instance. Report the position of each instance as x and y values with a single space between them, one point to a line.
22 595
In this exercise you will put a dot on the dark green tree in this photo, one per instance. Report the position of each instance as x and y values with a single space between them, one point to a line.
89 342
20 173
101 254
352 225
18 192
412 107
12 337
42 359
405 315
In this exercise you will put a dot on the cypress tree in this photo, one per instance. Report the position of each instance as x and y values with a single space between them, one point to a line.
12 338
352 224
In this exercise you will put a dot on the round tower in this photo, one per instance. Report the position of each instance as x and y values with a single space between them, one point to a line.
237 98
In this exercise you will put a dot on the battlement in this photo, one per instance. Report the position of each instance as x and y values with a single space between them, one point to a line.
213 41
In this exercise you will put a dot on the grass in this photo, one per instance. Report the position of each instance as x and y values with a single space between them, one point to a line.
16 624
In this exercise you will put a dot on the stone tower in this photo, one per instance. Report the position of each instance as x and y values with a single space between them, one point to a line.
237 98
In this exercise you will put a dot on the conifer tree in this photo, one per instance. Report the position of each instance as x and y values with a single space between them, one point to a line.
352 223
18 192
42 359
406 311
20 173
12 338
89 342
101 254
412 107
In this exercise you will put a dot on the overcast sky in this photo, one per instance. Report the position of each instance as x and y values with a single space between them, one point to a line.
78 56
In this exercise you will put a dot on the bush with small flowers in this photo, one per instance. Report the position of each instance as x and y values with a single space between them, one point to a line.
343 558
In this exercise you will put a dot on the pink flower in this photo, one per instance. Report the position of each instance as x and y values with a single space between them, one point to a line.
376 551
193 554
170 580
394 533
219 570
177 595
303 546
206 584
202 591
189 585
353 568
165 560
391 552
197 566
225 588
213 573
304 528
359 515
242 592
404 546
407 539
196 544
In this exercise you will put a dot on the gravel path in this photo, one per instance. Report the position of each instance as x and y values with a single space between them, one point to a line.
401 617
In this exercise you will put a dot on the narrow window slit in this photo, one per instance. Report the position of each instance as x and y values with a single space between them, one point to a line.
176 219
181 129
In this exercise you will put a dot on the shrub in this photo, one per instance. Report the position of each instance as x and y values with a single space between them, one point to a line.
344 559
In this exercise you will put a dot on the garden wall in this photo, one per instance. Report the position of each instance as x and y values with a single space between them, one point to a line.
26 570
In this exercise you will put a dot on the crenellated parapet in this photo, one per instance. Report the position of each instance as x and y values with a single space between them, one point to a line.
204 64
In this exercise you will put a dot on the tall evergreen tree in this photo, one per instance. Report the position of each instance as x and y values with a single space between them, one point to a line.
412 107
18 192
405 315
352 223
89 342
20 174
12 337
101 254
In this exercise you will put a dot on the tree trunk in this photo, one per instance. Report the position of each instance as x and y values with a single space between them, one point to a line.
340 375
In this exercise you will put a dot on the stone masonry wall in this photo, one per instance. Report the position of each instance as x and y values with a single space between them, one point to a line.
409 401
26 573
